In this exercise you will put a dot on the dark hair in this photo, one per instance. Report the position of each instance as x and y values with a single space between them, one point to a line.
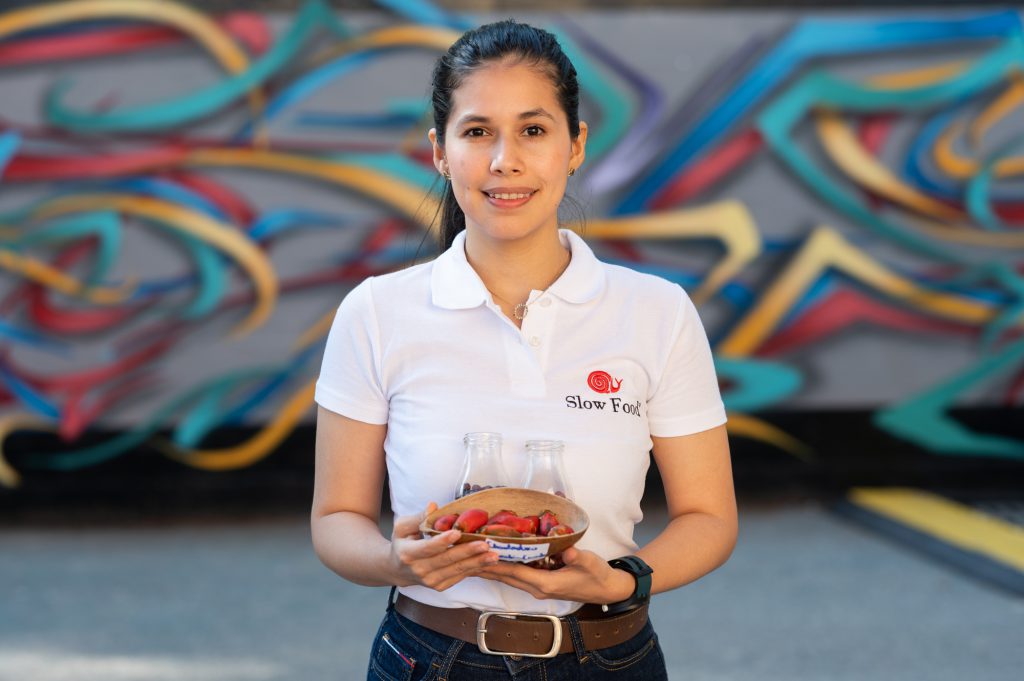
490 43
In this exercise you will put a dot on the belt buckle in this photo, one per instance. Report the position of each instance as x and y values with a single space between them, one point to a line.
481 633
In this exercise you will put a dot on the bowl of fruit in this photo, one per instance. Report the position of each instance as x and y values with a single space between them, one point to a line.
520 525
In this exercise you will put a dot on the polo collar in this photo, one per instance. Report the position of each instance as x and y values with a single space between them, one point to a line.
455 285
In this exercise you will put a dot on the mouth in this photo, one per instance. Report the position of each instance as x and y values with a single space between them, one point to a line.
511 197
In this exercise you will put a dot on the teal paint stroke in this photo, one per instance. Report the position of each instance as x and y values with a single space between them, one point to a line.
923 420
211 411
809 40
758 383
127 442
978 189
105 226
822 89
9 143
313 17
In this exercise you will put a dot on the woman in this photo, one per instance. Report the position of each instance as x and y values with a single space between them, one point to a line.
501 333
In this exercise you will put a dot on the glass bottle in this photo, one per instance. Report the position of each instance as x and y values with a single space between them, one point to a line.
544 471
482 468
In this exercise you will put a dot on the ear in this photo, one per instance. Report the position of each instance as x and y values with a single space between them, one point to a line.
579 148
439 160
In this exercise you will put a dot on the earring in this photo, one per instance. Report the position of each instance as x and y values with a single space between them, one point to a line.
572 171
446 175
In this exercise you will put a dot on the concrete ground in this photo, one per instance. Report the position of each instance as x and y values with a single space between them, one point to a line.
806 595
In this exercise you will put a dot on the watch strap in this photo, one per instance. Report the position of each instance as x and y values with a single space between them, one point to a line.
641 572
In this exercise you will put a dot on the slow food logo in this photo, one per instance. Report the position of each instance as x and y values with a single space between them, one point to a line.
603 382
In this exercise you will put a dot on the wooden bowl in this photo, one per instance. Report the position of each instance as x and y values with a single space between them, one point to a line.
524 502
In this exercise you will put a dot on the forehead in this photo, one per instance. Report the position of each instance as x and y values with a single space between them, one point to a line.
505 88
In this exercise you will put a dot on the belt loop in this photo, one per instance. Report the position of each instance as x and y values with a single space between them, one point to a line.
577 638
449 659
391 598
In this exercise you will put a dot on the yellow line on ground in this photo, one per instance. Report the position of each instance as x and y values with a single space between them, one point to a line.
952 522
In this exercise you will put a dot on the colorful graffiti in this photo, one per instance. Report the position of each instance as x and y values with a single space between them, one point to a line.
144 167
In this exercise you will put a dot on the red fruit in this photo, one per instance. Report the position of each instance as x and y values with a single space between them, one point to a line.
547 521
519 524
471 520
558 530
501 517
534 523
501 531
445 522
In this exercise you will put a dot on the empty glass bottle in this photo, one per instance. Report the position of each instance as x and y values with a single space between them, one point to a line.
482 468
544 471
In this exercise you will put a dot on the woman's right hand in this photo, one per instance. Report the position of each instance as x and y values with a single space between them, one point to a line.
434 562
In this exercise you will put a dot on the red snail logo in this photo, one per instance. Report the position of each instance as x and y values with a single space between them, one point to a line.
602 382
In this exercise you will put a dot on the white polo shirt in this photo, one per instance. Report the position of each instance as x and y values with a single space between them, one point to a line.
427 351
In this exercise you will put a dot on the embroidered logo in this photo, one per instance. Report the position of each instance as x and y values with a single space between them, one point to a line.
602 382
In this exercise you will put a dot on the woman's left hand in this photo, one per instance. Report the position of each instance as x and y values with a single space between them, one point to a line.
585 578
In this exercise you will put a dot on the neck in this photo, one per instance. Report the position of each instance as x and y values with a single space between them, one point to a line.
511 269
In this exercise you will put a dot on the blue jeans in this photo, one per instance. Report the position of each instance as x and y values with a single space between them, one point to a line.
406 651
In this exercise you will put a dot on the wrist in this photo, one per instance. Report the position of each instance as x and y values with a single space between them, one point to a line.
621 586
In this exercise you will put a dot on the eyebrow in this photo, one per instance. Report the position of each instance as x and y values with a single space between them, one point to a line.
532 113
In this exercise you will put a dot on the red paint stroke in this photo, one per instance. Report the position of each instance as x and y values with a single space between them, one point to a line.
873 131
35 168
77 415
232 203
90 378
846 307
708 171
248 27
66 321
353 272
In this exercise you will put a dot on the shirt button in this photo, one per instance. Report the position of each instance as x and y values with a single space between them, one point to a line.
534 341
545 302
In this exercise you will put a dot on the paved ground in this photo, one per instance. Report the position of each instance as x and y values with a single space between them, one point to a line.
805 596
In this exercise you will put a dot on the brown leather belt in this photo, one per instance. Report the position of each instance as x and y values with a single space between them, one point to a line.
504 633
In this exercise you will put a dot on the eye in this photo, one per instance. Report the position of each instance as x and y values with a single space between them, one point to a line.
534 131
474 132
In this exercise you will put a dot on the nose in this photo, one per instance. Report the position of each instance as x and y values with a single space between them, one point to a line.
507 159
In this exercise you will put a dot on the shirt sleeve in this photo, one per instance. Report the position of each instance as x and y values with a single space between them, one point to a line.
687 399
350 377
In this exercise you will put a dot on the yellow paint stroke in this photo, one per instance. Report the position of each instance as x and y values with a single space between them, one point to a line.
222 235
919 77
10 423
315 332
256 448
1007 102
407 199
826 249
960 167
952 522
727 221
850 155
201 28
744 425
48 276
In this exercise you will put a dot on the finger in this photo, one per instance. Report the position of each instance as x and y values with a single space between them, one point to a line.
407 526
513 581
444 577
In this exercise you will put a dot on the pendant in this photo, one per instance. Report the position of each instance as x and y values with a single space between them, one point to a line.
519 311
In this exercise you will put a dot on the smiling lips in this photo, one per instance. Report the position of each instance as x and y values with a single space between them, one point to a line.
509 197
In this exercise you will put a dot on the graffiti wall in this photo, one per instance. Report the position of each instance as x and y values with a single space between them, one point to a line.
185 197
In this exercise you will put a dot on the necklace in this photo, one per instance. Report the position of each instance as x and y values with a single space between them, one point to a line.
520 310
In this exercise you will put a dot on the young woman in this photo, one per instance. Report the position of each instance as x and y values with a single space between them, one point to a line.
505 331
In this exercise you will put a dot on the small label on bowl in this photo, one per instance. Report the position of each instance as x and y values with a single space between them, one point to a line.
518 553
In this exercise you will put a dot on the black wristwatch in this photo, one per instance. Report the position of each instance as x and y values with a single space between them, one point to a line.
642 572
